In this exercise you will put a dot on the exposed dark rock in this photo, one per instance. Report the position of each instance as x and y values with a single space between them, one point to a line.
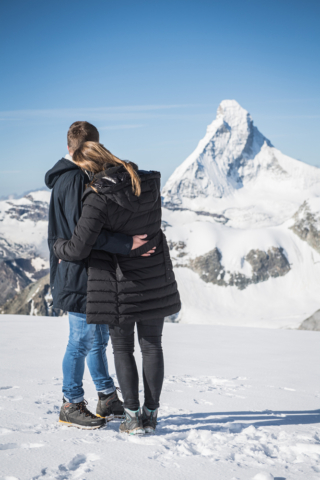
307 226
209 267
40 273
12 280
36 211
272 263
12 251
15 275
33 300
165 225
176 245
267 264
311 323
239 280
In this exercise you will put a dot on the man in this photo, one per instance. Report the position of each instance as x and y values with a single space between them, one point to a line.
68 282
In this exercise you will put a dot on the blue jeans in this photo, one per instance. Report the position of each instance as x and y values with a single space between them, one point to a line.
85 341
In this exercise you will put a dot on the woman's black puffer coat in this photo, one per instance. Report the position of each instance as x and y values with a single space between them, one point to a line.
123 288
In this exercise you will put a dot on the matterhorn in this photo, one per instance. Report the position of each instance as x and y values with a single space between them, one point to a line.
242 222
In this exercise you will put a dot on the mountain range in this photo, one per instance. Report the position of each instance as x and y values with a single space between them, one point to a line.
242 222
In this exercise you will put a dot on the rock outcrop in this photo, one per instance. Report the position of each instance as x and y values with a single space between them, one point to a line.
311 323
272 263
32 300
307 225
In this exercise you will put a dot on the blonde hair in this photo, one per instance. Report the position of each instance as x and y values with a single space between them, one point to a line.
93 157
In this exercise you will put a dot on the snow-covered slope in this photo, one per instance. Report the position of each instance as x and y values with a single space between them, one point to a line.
236 403
243 226
23 242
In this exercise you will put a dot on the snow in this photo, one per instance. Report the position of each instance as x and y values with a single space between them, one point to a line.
235 165
39 263
23 234
258 305
237 404
41 195
282 302
263 476
252 191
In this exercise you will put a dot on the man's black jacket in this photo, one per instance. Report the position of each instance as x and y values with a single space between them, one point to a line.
68 182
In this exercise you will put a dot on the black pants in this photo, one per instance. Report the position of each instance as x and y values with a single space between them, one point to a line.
149 334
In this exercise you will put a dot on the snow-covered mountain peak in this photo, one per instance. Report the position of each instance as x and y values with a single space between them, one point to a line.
234 165
231 112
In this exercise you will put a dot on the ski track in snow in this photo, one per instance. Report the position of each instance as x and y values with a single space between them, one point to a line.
235 442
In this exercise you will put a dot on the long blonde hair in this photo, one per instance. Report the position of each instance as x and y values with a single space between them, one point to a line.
93 156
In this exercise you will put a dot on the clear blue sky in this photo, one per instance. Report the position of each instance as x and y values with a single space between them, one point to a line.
150 75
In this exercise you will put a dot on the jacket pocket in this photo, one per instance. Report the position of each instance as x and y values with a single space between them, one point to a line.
76 278
70 277
59 282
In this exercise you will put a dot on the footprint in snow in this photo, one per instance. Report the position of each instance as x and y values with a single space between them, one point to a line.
263 476
78 466
5 431
11 446
8 446
202 402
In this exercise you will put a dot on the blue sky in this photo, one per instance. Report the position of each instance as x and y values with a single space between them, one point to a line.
150 75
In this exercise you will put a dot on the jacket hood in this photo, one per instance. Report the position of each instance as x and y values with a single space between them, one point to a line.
115 183
61 167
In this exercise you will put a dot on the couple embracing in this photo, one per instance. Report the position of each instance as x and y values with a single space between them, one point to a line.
110 269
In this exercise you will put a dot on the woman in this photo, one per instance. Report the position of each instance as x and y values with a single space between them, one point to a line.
124 290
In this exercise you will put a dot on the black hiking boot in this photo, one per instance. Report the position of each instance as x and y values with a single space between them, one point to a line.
149 419
109 406
77 415
132 423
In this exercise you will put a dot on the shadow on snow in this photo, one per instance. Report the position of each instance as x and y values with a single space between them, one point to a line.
213 420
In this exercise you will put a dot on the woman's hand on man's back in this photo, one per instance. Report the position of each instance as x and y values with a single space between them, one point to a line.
138 241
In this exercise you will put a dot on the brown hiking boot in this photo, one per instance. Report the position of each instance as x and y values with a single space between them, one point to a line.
77 415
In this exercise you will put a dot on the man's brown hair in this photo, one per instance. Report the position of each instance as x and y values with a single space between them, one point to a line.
81 132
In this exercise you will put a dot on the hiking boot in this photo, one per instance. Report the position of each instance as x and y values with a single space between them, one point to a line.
132 423
109 406
77 415
149 419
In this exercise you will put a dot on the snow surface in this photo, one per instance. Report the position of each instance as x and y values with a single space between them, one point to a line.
237 404
282 302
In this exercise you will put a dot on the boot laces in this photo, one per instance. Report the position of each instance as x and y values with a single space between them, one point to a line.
83 409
